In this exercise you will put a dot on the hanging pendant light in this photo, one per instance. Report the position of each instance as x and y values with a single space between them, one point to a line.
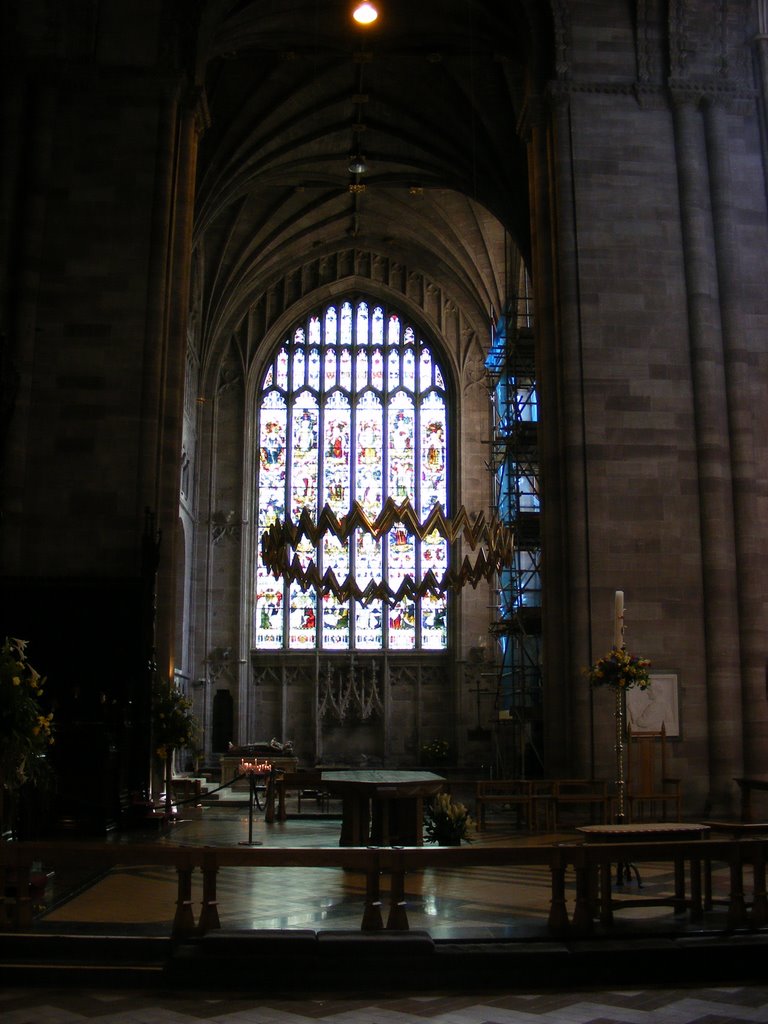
365 13
357 164
493 542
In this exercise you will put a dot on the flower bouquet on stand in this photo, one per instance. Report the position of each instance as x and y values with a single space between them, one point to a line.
620 671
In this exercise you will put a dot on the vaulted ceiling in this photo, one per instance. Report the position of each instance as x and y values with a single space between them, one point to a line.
429 96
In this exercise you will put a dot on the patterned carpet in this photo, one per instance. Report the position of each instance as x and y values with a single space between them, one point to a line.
662 1006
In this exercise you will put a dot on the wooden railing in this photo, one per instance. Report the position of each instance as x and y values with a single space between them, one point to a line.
591 864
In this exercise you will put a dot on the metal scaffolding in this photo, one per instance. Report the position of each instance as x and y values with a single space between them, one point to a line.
516 625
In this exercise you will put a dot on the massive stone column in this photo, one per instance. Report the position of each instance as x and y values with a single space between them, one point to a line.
713 452
575 510
172 344
739 285
559 731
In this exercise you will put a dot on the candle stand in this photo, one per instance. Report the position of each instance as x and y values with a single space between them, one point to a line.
253 770
620 781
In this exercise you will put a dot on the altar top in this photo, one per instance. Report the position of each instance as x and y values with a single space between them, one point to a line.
381 777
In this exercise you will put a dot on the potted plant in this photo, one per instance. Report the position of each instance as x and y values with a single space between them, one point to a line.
173 727
446 822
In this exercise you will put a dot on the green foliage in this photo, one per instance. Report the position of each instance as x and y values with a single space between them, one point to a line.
26 731
436 752
173 725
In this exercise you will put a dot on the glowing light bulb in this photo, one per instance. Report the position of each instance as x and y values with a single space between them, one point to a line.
365 13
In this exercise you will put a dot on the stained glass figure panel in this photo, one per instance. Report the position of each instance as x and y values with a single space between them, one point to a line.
346 323
304 452
313 369
368 626
402 450
268 615
434 480
336 448
303 618
402 626
335 622
434 623
369 483
377 326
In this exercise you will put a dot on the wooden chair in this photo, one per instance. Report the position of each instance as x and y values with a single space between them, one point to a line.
504 793
308 784
591 794
649 789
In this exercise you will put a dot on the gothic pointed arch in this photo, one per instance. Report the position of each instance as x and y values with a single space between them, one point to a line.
353 405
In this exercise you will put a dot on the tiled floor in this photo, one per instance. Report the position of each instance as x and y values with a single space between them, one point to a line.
450 904
447 903
477 902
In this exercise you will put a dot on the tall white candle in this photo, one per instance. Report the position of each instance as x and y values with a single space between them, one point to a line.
618 619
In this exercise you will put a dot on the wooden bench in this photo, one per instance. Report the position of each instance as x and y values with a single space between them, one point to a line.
540 801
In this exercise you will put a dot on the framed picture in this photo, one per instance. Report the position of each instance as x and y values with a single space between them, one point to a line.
648 709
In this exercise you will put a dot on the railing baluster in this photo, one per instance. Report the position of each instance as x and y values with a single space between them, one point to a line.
679 904
184 921
759 916
558 911
372 920
398 915
584 906
209 912
696 909
6 904
737 910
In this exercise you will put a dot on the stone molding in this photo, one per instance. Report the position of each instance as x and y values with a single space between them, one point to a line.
327 276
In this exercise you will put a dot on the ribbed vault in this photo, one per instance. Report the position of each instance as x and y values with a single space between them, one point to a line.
430 97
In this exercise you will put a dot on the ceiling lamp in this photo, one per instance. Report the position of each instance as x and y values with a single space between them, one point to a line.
494 539
357 164
365 13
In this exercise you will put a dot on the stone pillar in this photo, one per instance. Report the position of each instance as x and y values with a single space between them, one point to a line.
574 511
713 454
761 46
157 303
558 730
29 115
747 438
172 367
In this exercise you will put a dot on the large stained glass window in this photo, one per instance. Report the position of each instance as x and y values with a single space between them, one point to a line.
352 407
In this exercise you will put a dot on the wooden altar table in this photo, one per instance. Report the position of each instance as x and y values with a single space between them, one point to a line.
653 832
382 808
